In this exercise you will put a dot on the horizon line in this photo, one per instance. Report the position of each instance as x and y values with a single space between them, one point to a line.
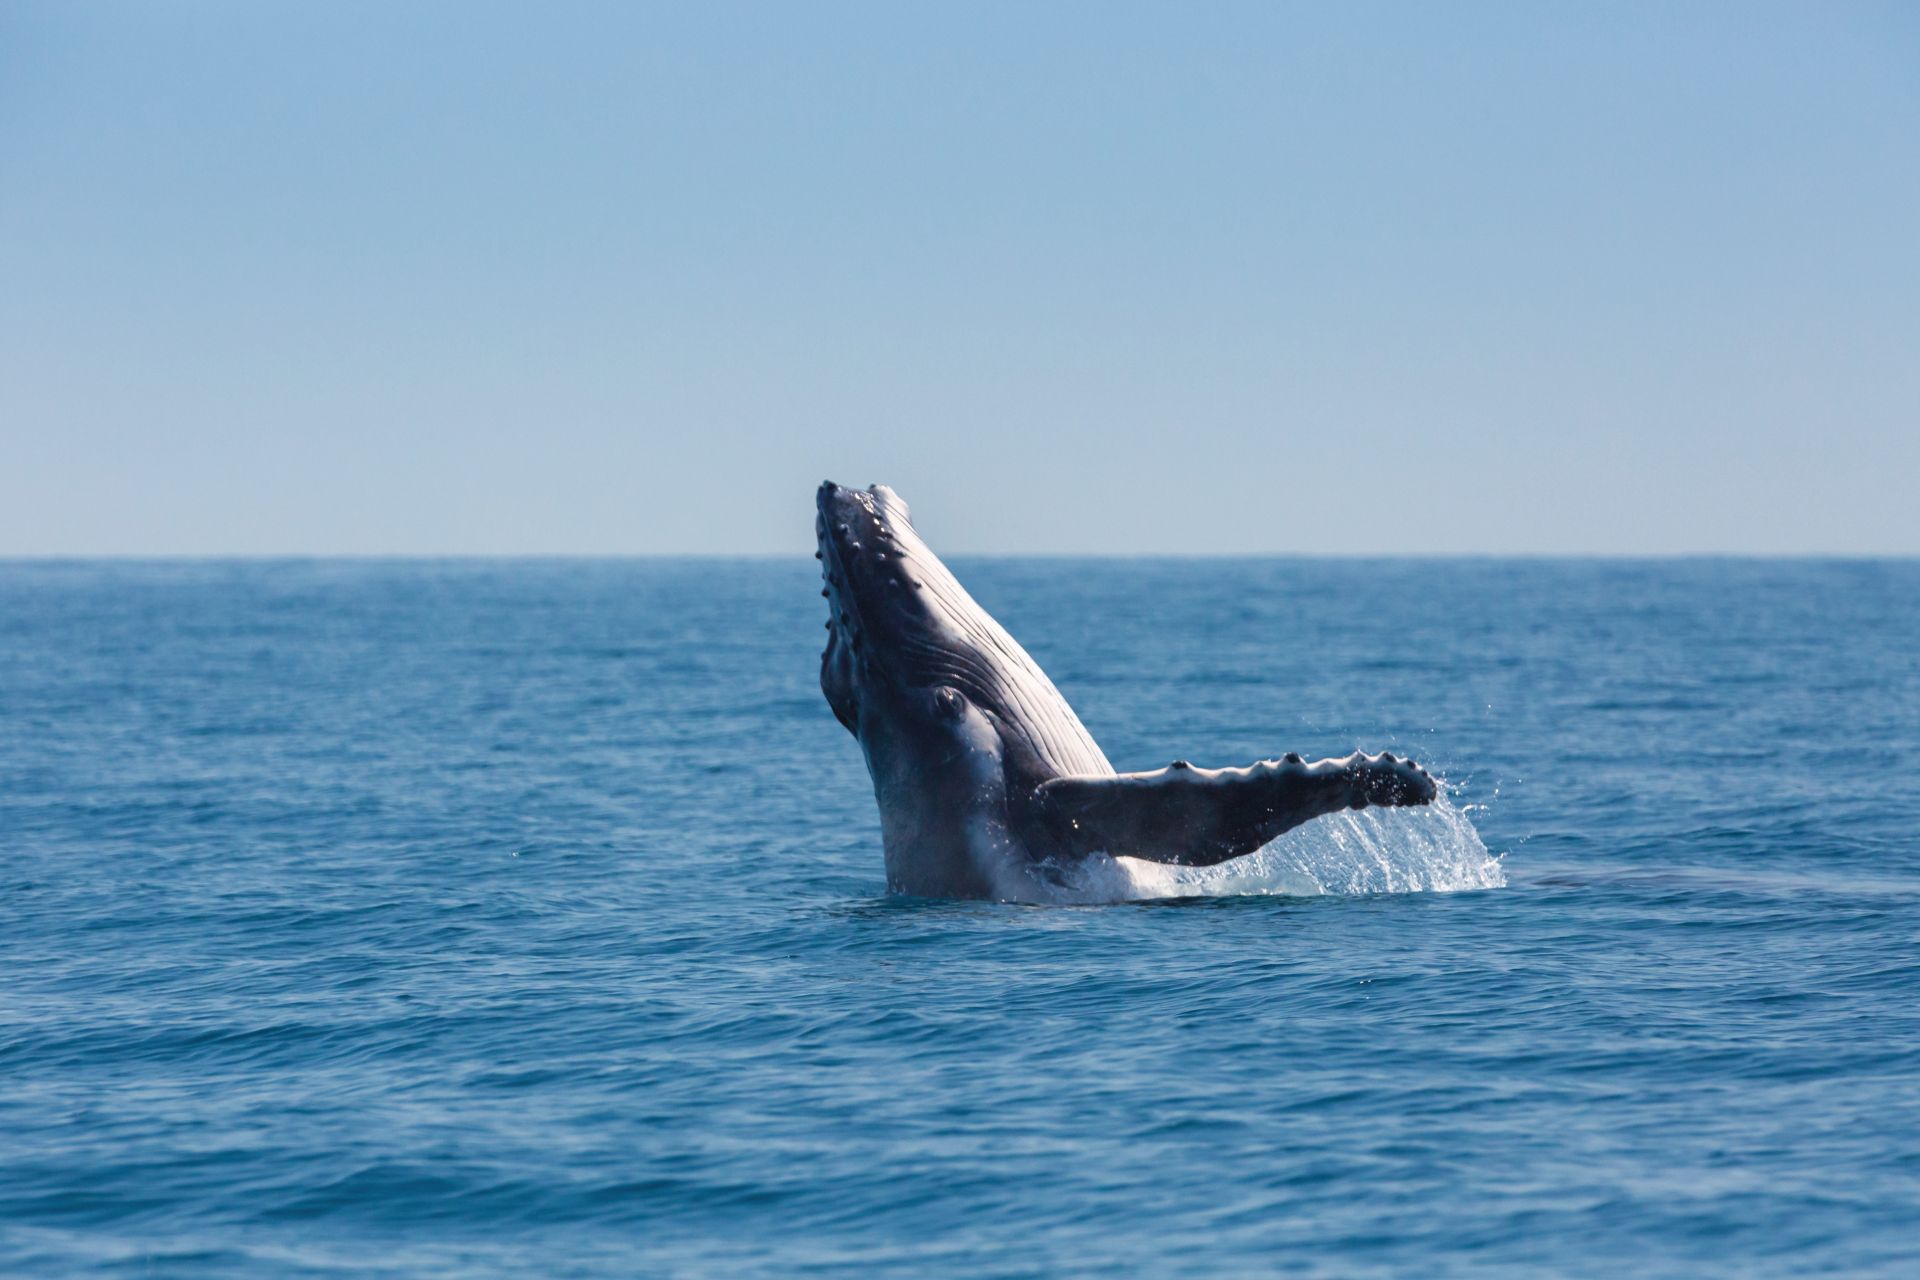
266 557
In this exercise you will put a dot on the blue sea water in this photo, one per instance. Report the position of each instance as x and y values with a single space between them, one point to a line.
485 918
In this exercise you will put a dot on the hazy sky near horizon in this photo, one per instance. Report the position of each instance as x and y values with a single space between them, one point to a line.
447 278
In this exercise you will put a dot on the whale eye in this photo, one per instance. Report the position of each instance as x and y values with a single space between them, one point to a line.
948 702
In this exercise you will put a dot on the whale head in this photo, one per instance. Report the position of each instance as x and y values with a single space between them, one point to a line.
903 638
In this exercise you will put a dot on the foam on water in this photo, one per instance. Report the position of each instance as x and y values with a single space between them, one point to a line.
1433 849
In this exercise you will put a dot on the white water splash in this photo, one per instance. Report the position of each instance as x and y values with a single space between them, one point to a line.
1431 849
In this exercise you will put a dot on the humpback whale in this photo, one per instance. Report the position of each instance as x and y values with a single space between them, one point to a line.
987 782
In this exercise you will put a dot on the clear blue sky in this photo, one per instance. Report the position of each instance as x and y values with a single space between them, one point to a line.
632 278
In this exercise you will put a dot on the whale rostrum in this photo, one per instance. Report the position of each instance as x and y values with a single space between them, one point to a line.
985 777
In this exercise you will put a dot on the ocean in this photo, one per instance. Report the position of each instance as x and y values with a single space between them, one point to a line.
476 918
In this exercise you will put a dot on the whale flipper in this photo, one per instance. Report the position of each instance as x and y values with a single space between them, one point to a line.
1199 817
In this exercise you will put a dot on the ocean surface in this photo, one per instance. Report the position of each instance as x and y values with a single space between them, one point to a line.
527 918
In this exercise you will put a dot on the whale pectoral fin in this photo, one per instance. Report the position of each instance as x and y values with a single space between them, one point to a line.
1199 817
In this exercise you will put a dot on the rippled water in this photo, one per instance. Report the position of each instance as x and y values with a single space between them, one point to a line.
489 918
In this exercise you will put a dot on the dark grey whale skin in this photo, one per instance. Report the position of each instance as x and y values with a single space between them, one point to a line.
985 777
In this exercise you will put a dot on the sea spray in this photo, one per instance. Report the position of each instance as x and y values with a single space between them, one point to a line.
1432 849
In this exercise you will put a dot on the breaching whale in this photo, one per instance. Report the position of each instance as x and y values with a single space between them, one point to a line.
987 781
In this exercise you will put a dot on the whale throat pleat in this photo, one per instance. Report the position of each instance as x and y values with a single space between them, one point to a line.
1043 719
